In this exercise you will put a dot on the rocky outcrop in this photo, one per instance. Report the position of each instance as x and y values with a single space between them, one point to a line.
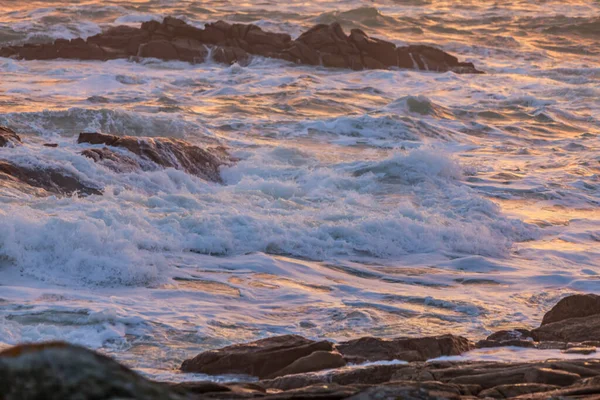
8 138
123 154
407 349
292 367
57 371
575 306
570 330
50 180
164 152
574 322
272 357
174 39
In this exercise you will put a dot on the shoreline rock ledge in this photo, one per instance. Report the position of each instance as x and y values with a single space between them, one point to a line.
174 39
292 367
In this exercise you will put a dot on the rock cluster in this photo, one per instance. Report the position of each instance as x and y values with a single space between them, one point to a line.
174 39
293 367
574 322
120 153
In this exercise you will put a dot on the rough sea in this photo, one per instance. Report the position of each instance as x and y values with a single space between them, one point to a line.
382 202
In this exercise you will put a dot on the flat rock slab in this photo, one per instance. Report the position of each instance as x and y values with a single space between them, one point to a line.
174 39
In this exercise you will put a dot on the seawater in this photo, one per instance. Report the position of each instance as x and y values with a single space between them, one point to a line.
386 203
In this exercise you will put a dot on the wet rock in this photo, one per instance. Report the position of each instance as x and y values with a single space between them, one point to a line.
575 306
8 138
410 391
162 49
407 349
570 330
264 358
319 360
58 371
51 180
379 50
509 391
230 55
174 39
502 343
580 350
165 152
515 334
115 161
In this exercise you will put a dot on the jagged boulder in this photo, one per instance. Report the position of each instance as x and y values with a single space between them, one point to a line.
165 152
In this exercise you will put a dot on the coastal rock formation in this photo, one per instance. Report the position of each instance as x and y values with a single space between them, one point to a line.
38 180
165 152
61 371
292 367
174 39
138 153
267 358
8 137
575 306
51 180
407 349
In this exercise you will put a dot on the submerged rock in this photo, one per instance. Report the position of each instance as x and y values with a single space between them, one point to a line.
174 39
407 349
266 358
165 152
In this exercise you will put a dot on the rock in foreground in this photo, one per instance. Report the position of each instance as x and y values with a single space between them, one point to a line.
174 39
58 371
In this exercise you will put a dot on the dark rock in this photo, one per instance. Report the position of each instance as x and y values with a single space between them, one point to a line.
115 161
319 360
54 145
509 391
264 358
230 55
580 350
575 306
51 180
161 49
8 138
379 50
410 391
166 152
174 39
570 330
407 349
59 371
503 343
518 334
